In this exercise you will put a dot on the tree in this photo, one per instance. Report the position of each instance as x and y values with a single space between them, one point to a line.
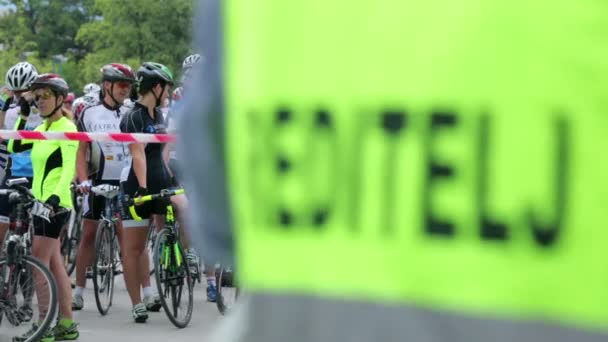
91 33
50 25
142 30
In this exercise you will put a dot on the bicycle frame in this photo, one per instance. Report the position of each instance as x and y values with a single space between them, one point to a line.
74 212
170 223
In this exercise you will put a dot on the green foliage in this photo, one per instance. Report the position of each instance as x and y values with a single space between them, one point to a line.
91 33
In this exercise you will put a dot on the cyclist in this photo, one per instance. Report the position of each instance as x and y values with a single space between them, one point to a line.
54 164
103 166
189 63
69 100
83 102
147 173
90 97
18 79
91 88
180 201
6 98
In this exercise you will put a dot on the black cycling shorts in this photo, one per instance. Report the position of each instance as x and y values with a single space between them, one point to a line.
50 229
98 203
144 211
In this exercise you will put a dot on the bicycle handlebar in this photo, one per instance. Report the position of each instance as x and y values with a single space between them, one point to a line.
165 193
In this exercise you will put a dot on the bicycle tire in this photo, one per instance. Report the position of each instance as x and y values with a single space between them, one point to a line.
168 279
103 266
220 302
44 324
70 244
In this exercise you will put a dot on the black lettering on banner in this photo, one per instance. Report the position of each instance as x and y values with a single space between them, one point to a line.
489 229
323 132
547 236
326 133
283 117
393 122
433 225
544 236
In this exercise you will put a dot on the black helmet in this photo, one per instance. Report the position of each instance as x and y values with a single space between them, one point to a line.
116 72
154 72
53 81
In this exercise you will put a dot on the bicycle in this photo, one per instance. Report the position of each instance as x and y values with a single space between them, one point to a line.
150 240
107 250
22 275
227 291
70 236
171 271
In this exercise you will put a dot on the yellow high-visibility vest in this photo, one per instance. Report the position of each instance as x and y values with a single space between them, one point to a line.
450 155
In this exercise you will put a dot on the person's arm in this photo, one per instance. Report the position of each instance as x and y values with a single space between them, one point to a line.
138 156
166 151
17 145
82 165
131 124
68 168
5 106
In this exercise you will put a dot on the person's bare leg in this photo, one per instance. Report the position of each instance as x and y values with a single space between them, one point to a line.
42 252
86 252
64 287
134 245
3 230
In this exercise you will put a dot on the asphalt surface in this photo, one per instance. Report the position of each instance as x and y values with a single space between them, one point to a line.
118 325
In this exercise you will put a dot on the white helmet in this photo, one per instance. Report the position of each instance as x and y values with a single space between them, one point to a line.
20 76
91 88
191 61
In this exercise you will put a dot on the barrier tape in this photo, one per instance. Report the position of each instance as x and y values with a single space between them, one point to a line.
84 136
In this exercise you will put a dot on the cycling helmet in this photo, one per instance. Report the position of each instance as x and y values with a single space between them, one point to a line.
91 88
116 72
53 81
20 76
154 72
191 61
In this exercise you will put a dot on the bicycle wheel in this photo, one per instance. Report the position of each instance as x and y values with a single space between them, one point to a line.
173 279
227 291
18 303
69 243
103 266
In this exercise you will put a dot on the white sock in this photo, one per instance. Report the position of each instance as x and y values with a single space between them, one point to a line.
78 291
148 291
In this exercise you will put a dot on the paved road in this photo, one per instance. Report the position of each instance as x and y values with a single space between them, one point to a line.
118 325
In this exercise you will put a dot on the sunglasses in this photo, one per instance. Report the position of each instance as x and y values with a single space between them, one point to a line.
123 85
44 96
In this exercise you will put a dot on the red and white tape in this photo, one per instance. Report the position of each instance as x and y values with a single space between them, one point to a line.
84 136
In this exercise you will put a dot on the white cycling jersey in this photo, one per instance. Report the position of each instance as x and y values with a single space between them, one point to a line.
106 159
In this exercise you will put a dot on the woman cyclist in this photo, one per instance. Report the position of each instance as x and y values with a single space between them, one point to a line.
54 164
